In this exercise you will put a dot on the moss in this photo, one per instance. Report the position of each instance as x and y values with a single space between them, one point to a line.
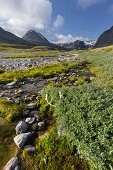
11 111
7 147
59 152
72 79
83 79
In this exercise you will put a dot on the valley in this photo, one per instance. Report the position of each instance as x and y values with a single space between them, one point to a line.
46 100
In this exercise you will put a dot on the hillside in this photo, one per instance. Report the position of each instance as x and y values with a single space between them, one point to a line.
105 39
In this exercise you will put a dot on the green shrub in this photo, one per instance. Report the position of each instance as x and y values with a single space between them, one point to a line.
85 113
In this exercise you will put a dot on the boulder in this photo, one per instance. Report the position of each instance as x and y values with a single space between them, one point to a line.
32 105
12 164
35 114
30 120
21 139
21 127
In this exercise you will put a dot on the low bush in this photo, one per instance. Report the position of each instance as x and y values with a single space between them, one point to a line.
85 113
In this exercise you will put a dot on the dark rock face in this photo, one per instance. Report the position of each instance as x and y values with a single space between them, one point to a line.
78 45
105 39
8 37
36 38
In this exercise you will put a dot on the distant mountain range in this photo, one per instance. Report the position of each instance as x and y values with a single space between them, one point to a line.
105 39
32 38
78 45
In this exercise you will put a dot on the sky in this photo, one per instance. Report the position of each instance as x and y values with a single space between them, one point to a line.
60 21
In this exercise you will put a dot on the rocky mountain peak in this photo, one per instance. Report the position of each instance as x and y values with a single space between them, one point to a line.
35 38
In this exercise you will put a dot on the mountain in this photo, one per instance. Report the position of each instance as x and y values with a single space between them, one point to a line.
36 38
8 37
78 45
105 39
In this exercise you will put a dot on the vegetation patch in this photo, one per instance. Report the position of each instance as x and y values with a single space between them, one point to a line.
58 153
85 113
11 111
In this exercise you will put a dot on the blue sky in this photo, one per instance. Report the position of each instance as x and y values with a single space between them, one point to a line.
59 20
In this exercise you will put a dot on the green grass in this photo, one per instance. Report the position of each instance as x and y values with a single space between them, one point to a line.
11 111
101 65
7 147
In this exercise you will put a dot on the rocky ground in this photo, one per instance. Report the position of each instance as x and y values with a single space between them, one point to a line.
26 63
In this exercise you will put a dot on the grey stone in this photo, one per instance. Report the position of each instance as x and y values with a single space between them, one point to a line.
11 85
30 148
32 105
26 113
35 114
21 127
12 164
41 124
30 120
21 139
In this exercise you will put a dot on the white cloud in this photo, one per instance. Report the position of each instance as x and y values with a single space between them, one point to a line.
60 38
59 22
87 3
18 16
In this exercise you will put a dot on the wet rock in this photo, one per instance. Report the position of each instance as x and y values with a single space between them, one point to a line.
34 114
60 132
21 127
12 164
41 124
1 95
30 148
30 120
32 105
11 85
26 113
21 139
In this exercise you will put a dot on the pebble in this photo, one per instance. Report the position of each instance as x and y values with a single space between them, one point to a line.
41 124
